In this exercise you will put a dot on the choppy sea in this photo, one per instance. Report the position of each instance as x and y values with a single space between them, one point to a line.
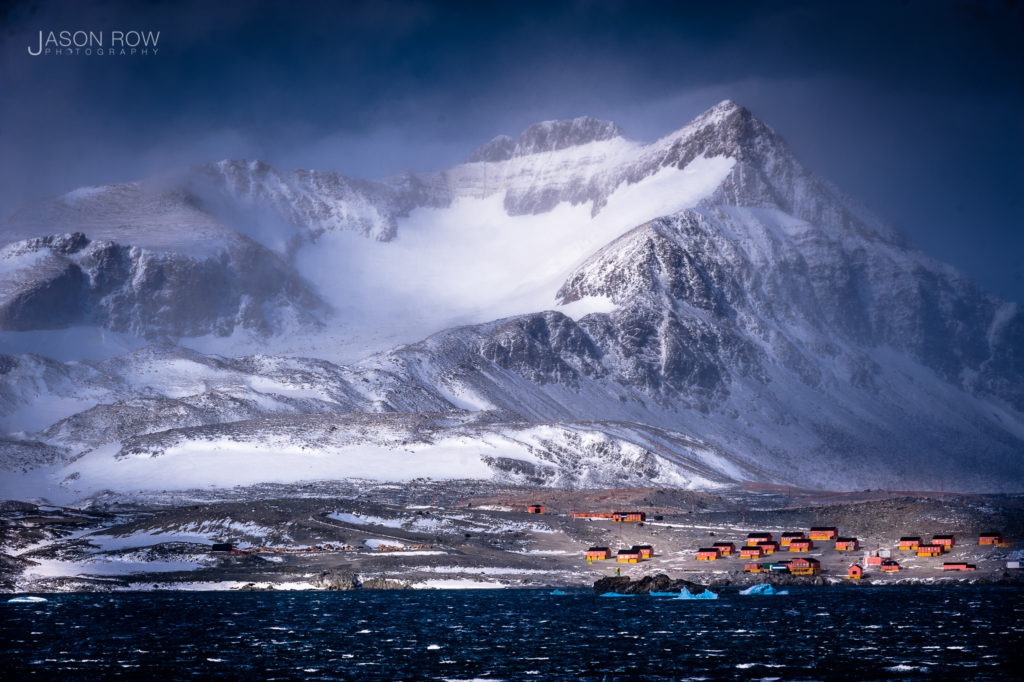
856 633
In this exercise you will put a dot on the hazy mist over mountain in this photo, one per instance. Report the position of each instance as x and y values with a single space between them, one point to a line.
575 245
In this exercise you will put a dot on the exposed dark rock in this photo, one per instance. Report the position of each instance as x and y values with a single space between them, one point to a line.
336 579
645 585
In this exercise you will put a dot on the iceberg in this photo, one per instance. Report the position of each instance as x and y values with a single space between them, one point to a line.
764 589
558 593
26 600
706 594
616 594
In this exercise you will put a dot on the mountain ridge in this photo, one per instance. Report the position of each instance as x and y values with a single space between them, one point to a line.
704 300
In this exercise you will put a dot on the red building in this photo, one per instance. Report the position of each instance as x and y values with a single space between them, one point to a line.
804 566
990 539
769 547
725 548
889 566
958 566
535 509
847 544
646 551
750 552
946 541
628 556
755 538
753 568
598 554
707 554
824 533
789 537
930 550
590 515
873 560
856 572
801 545
634 516
910 542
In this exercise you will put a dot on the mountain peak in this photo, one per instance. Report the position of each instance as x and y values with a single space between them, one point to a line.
548 136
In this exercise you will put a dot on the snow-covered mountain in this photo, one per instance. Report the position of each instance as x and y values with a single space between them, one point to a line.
570 308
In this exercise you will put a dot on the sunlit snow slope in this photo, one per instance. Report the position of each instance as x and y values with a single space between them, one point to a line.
566 308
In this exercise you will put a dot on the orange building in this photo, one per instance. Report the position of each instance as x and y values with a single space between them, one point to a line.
535 509
628 556
946 541
634 516
769 547
910 542
930 550
958 566
856 572
598 554
756 538
646 551
847 544
990 538
789 537
750 552
725 548
824 533
804 566
801 545
707 554
890 566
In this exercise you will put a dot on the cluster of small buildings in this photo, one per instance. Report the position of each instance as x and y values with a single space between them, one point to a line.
761 544
616 517
939 545
633 555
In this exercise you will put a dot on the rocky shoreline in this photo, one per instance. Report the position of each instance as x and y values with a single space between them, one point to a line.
663 583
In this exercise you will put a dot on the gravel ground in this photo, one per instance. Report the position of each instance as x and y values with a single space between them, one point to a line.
434 535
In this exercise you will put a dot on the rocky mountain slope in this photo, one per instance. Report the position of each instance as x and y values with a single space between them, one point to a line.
694 311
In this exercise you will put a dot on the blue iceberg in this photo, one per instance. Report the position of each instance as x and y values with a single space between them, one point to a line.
706 594
762 590
26 600
616 594
558 593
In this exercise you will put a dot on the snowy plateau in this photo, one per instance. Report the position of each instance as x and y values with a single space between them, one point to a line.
569 309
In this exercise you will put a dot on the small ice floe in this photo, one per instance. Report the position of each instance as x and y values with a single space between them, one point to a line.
616 594
558 593
26 600
762 590
706 594
433 647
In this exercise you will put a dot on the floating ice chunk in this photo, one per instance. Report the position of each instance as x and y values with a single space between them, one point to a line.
762 590
706 594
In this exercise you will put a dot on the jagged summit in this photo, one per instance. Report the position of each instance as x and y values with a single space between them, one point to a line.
703 284
548 136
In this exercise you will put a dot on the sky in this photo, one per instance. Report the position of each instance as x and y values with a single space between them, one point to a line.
916 108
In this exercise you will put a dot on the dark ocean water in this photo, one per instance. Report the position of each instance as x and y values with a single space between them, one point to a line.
864 633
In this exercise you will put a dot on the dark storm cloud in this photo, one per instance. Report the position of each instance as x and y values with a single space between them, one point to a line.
914 107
